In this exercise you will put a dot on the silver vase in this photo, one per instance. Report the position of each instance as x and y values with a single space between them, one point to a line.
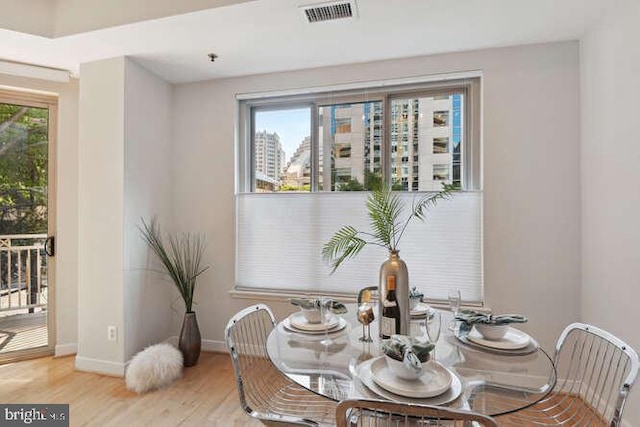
394 266
190 340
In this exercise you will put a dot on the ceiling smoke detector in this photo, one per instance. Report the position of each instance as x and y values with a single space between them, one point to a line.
329 11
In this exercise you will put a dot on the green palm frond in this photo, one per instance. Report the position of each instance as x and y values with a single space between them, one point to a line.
384 210
342 246
427 201
424 203
181 257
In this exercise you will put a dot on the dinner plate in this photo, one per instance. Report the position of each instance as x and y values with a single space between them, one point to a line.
421 309
532 347
299 321
366 377
434 381
514 339
286 323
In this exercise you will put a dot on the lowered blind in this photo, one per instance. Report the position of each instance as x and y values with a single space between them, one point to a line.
279 239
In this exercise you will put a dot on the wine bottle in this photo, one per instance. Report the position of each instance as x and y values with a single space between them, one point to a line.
390 321
394 266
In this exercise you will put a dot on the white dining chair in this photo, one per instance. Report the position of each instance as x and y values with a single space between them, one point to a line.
378 413
595 372
265 393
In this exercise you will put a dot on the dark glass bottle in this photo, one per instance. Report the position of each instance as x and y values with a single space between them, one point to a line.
390 321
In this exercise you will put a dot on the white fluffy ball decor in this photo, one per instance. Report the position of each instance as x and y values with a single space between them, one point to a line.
154 367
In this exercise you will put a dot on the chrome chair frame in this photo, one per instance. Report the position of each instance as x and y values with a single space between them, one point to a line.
383 413
271 396
592 384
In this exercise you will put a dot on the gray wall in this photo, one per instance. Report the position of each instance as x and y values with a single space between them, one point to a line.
124 173
100 220
610 176
147 193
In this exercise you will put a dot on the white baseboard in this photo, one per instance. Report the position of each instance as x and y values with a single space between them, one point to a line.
213 345
100 366
65 349
118 369
207 345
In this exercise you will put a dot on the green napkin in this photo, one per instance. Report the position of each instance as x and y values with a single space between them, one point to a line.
472 316
405 349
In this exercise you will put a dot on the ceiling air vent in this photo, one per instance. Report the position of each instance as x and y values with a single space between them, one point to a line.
329 11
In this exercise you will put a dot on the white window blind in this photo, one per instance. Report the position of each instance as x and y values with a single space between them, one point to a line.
280 237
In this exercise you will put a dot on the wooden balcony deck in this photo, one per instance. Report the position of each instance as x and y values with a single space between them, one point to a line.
23 331
23 288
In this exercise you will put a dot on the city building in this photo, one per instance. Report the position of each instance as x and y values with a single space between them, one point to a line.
298 170
269 157
425 135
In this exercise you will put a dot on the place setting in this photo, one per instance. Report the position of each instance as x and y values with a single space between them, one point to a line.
317 316
408 372
417 308
493 332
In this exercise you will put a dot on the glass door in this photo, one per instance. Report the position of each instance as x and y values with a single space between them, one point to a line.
26 242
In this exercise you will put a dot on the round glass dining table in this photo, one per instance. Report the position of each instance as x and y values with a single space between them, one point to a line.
488 381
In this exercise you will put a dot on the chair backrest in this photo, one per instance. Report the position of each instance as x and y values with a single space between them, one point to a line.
246 338
596 368
382 413
265 393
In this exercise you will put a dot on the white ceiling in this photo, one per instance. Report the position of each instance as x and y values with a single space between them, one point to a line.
270 35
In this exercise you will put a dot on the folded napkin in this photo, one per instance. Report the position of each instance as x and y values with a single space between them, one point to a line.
310 303
415 293
411 353
472 316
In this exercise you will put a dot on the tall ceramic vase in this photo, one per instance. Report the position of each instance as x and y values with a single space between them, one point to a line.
190 340
394 266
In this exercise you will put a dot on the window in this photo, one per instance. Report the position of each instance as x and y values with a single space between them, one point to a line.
441 145
440 118
441 172
347 145
430 138
281 149
323 149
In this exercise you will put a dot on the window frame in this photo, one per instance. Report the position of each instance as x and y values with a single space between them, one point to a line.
469 86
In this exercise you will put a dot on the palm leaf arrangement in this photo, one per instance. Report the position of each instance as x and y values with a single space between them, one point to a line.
181 256
387 221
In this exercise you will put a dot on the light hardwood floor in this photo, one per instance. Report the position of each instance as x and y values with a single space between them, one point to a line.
205 396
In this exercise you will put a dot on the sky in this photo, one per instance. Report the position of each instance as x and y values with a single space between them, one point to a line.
291 125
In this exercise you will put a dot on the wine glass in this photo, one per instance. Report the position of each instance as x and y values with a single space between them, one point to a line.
454 301
365 316
454 305
433 326
325 315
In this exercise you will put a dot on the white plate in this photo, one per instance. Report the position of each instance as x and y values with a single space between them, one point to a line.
420 309
514 339
366 377
286 323
434 381
298 321
531 348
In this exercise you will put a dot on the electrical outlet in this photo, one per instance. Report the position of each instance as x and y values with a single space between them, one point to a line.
112 333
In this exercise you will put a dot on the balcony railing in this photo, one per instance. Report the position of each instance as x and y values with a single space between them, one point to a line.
23 272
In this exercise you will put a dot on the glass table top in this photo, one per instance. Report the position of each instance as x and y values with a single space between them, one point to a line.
484 380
